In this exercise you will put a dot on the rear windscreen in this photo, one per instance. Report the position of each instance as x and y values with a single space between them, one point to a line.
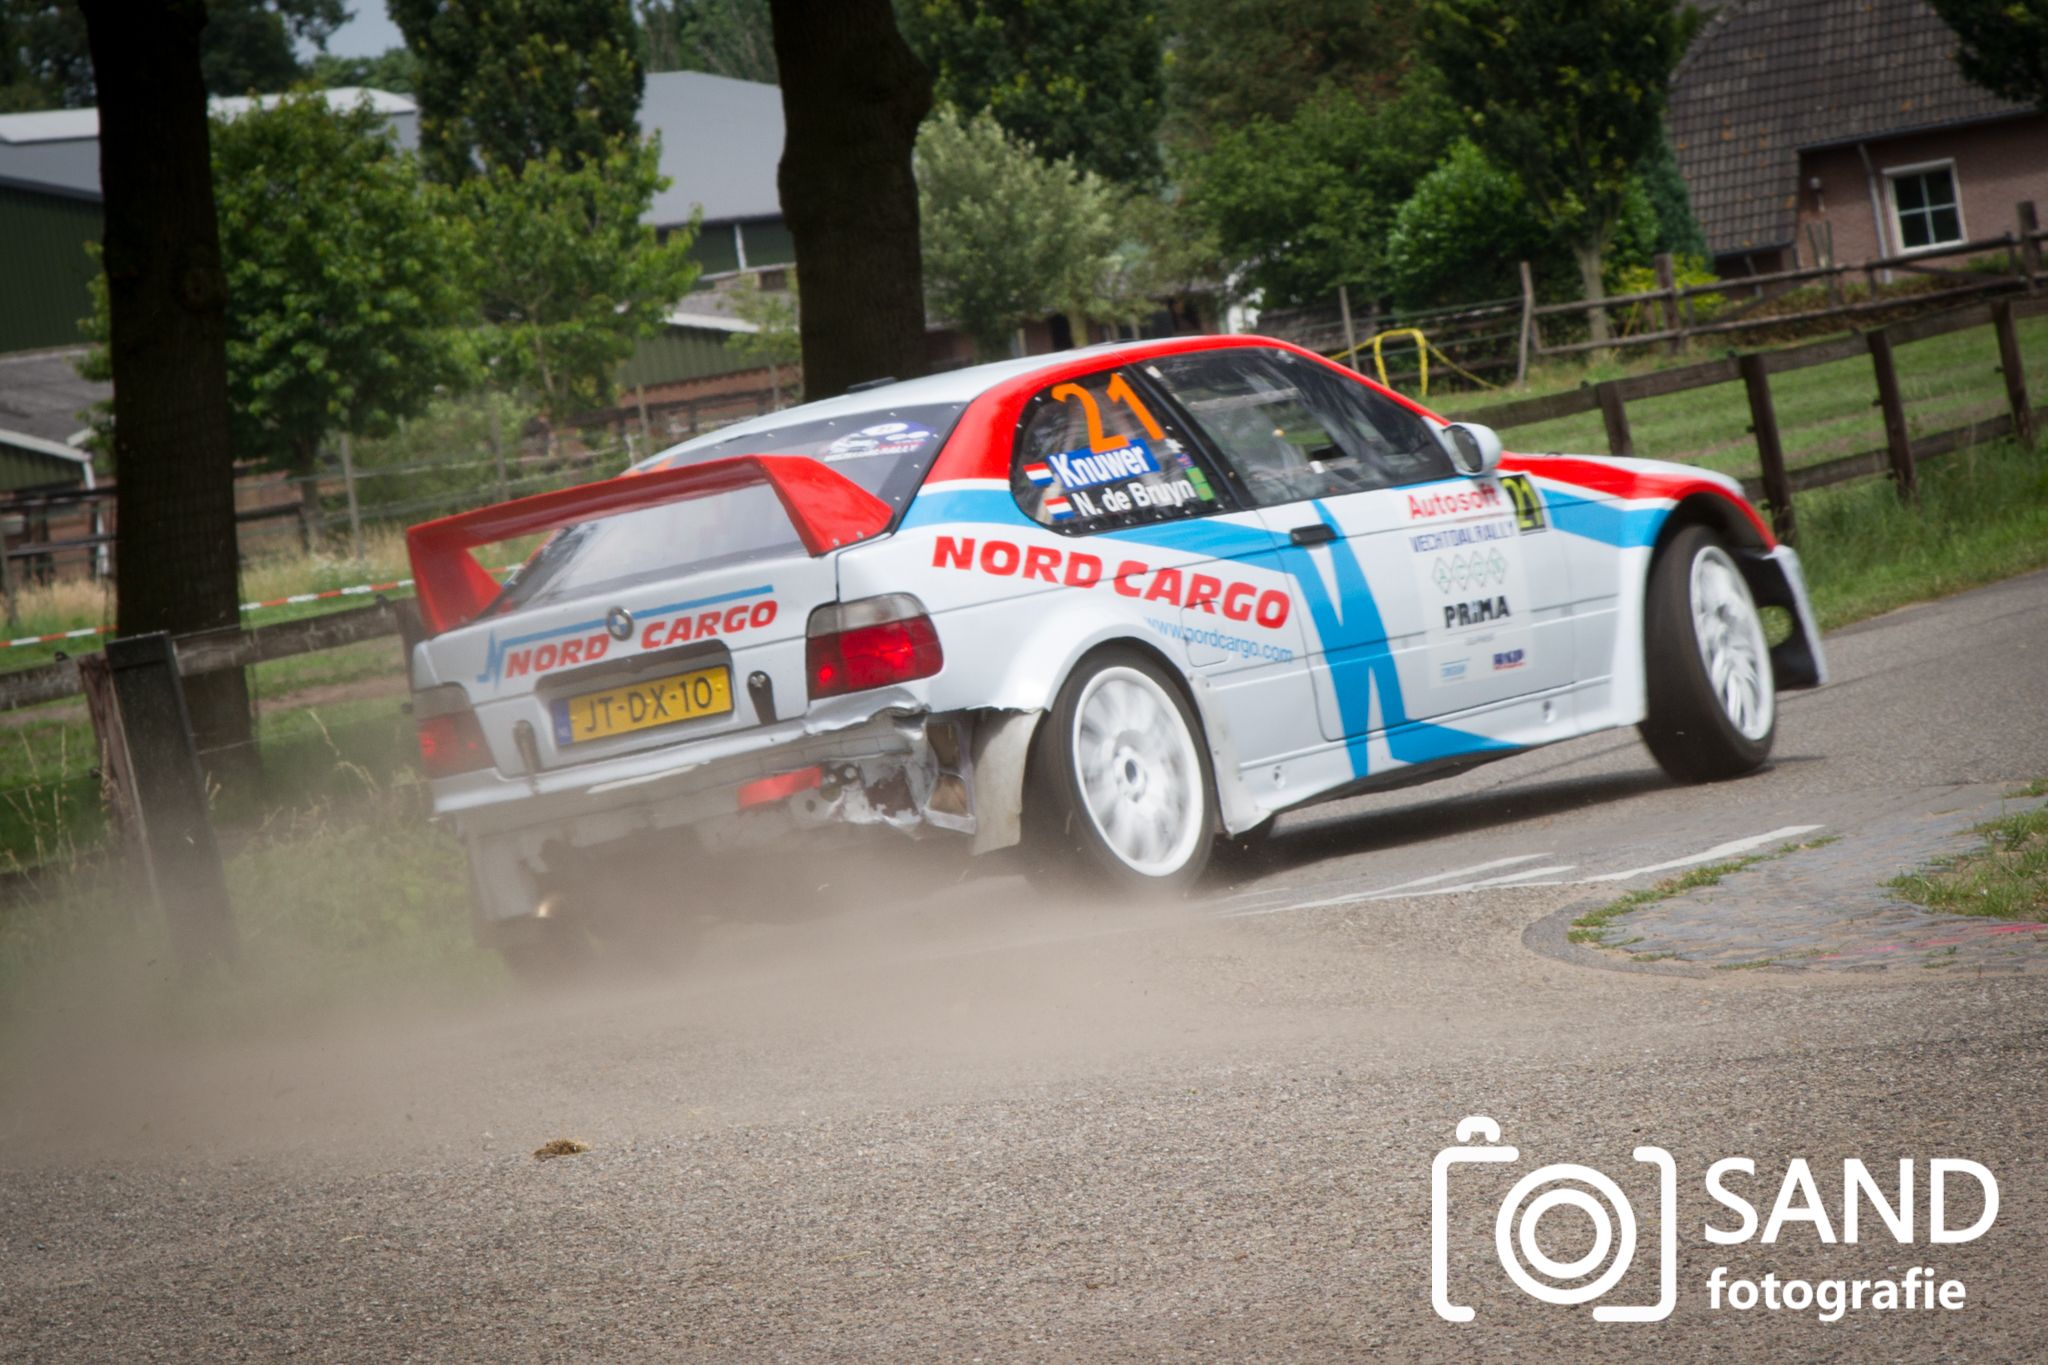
886 451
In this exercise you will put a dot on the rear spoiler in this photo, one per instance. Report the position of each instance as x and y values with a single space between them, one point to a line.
826 508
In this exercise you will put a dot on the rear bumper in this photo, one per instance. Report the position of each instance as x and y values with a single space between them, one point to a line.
897 769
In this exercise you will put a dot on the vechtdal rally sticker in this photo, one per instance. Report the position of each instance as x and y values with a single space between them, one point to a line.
884 438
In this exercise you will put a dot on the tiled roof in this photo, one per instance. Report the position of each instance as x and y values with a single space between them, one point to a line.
1767 77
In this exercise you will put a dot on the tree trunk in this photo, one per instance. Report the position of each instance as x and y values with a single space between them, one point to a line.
853 95
176 555
1588 255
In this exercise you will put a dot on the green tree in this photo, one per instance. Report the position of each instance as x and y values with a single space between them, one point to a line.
775 340
1302 205
1570 94
395 69
1077 79
1462 235
1230 61
724 37
505 82
251 45
2004 45
246 45
570 277
44 63
345 278
1008 236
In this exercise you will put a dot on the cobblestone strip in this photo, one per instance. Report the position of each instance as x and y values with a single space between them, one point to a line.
1822 909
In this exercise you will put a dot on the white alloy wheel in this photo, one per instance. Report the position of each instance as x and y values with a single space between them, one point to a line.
1730 635
1140 776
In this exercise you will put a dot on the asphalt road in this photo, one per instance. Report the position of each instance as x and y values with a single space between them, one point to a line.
973 1125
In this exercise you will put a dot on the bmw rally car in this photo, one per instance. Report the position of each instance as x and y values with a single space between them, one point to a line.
1111 604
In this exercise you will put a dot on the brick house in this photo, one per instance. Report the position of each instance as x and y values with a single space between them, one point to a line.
1810 130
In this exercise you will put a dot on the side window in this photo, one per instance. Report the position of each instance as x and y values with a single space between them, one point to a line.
1291 430
1093 455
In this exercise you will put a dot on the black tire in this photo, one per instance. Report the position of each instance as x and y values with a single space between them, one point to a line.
1698 731
1069 847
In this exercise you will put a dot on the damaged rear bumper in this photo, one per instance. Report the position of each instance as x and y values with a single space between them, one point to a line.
897 769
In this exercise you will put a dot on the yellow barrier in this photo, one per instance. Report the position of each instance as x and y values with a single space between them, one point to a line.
1423 351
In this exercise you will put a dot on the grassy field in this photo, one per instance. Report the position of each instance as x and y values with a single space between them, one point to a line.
1824 412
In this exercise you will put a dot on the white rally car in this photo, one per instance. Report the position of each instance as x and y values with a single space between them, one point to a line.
1112 605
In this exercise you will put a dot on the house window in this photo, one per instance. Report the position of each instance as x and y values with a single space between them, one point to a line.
1925 206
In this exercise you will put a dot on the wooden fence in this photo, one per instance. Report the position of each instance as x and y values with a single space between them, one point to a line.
1776 484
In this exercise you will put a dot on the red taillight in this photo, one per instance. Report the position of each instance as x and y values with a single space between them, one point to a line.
451 741
765 791
876 641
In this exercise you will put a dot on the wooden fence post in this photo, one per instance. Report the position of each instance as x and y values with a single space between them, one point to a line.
1898 440
179 855
1763 417
7 583
1350 332
1668 282
355 511
1528 333
2015 371
2030 250
1614 416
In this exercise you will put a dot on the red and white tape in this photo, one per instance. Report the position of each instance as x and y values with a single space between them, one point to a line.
297 599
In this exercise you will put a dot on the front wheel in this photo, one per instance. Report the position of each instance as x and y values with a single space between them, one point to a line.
1120 780
1712 697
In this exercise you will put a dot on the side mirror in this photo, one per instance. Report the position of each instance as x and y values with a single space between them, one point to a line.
1474 450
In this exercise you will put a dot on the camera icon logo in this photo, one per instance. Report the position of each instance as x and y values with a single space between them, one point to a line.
1560 1185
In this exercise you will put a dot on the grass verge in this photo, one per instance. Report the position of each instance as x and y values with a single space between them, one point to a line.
337 904
2006 878
1982 516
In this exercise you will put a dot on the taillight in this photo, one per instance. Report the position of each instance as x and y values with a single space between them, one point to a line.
853 646
451 740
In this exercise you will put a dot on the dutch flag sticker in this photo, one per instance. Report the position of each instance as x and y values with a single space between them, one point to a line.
1039 474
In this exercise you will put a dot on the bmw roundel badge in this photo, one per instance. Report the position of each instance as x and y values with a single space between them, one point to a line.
618 623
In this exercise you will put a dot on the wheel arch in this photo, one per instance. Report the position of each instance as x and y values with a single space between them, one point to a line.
1003 776
1770 569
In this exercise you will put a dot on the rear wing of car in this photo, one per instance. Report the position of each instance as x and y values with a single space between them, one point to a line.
827 509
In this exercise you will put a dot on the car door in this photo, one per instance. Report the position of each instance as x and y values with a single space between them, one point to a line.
1426 594
1098 460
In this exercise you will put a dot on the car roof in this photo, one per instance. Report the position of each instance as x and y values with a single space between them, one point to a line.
950 386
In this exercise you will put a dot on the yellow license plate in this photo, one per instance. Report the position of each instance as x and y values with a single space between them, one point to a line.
643 705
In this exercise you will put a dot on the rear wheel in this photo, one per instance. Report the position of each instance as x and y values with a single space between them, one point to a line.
1120 782
1712 697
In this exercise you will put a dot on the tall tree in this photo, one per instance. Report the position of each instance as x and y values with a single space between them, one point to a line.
344 273
1234 60
853 95
395 68
246 45
2004 45
505 82
1569 95
570 275
176 562
1008 237
1077 79
724 37
1305 204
